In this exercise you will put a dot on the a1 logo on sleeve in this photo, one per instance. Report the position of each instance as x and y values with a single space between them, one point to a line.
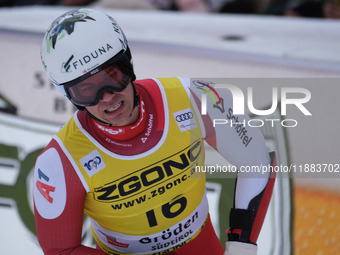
49 185
185 119
92 163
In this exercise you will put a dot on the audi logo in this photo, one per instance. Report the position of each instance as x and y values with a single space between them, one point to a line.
184 116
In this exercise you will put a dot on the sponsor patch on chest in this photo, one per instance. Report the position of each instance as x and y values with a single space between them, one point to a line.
92 163
185 119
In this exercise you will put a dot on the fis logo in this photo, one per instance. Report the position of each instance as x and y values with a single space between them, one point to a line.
92 163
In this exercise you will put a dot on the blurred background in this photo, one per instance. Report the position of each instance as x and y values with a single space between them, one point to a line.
276 43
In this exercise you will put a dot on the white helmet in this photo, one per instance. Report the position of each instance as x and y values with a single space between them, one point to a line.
81 40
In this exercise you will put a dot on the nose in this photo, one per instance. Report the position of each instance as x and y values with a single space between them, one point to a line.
107 95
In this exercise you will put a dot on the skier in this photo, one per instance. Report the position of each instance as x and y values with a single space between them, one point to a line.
127 157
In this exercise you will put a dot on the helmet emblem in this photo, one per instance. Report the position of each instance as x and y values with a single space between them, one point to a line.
65 25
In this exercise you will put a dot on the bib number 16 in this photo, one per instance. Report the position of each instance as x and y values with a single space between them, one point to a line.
169 210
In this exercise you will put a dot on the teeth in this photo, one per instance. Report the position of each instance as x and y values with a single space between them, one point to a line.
114 107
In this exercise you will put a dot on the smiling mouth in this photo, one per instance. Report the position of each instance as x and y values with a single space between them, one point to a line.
112 109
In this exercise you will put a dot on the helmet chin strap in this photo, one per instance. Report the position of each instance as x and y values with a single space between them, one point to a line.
136 102
98 120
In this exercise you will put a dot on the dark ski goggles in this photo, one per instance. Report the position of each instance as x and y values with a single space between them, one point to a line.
89 88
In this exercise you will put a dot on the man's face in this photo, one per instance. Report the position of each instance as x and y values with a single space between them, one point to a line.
108 95
115 108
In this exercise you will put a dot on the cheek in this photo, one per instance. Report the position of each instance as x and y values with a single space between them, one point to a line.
129 94
92 109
